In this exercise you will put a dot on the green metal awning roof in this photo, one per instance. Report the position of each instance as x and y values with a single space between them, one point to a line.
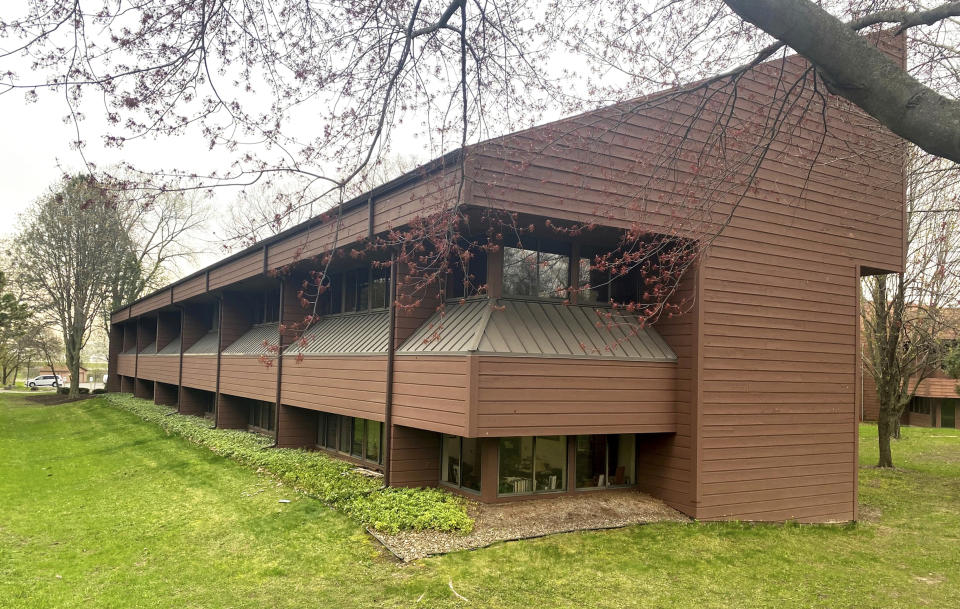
346 334
542 328
209 344
252 341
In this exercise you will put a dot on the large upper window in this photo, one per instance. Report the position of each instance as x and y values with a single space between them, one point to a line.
543 272
606 460
460 462
606 287
463 283
267 307
357 290
532 464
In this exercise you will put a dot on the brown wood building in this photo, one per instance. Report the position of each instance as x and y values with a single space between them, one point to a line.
745 407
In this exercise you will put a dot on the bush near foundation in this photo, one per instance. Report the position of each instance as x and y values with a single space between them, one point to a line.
332 481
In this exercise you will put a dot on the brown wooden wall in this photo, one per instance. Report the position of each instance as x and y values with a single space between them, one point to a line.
194 401
247 376
190 288
200 372
237 270
296 427
348 385
116 347
414 457
234 318
432 392
196 323
525 396
168 327
125 364
146 333
129 335
667 460
165 394
163 368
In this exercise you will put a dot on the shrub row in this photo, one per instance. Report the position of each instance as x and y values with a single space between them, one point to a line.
332 481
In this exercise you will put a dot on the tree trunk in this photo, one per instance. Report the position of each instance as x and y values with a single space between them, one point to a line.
884 432
896 429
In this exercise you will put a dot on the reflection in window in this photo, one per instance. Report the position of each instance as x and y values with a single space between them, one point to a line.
460 462
535 273
374 441
532 464
606 460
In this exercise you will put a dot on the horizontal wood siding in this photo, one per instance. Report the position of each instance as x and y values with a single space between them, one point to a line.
121 315
190 288
163 368
297 427
353 386
126 364
237 270
155 301
200 372
414 457
432 392
354 225
668 461
542 396
247 376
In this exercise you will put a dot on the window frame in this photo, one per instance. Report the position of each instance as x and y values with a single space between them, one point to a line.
540 246
459 485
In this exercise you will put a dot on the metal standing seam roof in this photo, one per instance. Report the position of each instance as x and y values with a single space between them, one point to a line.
252 341
131 351
208 344
349 333
171 348
150 349
540 328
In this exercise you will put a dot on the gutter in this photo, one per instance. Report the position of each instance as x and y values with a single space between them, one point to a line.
391 353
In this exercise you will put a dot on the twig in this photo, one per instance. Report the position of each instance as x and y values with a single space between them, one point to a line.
457 594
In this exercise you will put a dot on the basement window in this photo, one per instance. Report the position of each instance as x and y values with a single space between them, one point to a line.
532 464
460 462
361 439
261 416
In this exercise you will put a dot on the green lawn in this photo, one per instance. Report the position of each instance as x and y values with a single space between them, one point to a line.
99 509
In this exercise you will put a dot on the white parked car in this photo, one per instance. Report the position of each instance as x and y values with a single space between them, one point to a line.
45 380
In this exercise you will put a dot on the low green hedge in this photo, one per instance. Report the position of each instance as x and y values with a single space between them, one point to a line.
361 497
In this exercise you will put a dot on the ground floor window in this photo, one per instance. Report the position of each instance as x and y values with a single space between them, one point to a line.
606 460
460 462
532 464
920 405
261 416
359 438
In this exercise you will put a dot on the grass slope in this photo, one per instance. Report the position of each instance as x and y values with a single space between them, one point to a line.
100 509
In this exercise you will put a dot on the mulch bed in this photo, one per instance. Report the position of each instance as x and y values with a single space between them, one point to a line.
535 518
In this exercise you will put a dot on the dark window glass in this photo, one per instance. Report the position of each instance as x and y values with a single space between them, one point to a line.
346 434
321 429
606 460
591 461
333 431
465 285
253 417
516 465
374 439
550 463
350 292
356 446
271 312
363 290
450 460
380 289
470 464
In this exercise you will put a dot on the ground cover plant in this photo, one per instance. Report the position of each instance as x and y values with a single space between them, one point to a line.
99 508
332 481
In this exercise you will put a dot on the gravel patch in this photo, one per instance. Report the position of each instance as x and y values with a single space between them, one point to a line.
534 518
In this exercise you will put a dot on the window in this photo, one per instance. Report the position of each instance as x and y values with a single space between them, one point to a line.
261 416
920 405
267 307
606 460
359 438
465 286
532 464
622 289
460 462
536 273
374 450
